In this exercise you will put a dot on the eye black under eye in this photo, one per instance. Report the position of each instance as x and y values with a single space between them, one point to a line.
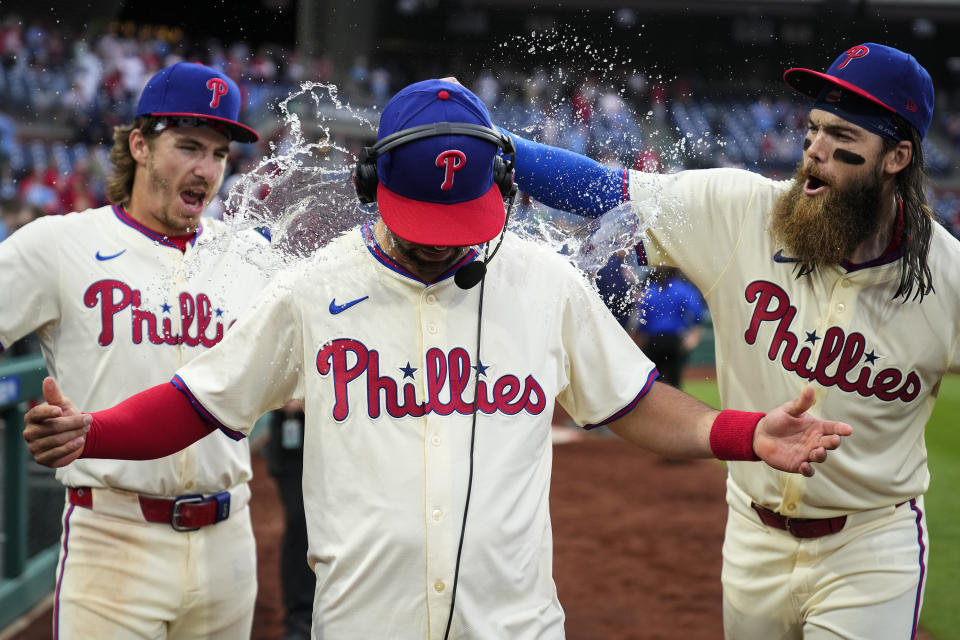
806 143
848 156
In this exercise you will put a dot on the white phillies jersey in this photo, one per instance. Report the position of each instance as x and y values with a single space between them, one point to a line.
386 367
875 362
118 309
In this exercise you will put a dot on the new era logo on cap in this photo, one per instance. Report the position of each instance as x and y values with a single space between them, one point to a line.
882 75
188 89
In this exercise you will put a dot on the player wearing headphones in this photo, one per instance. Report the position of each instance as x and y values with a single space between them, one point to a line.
427 450
840 278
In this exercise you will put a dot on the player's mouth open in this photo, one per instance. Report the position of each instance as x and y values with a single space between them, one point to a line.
814 186
193 199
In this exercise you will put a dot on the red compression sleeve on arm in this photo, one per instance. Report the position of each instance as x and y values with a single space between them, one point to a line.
731 436
152 424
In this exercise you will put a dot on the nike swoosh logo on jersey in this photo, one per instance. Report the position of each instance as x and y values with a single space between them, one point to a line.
101 257
779 257
337 308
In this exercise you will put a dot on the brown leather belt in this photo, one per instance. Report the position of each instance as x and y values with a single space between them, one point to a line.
183 513
800 527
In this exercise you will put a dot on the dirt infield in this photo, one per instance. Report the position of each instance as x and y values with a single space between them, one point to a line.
636 544
636 539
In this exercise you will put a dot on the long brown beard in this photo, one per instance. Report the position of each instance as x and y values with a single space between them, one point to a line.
824 230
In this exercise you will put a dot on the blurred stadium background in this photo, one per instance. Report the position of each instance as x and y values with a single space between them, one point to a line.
653 84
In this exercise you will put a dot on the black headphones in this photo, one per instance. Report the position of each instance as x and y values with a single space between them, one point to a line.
365 178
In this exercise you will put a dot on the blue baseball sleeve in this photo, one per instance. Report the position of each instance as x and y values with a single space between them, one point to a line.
568 181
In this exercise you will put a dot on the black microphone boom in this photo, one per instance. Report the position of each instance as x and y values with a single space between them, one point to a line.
470 275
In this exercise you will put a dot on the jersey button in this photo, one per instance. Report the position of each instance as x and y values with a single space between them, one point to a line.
791 506
841 307
437 515
435 441
438 586
432 329
189 485
431 299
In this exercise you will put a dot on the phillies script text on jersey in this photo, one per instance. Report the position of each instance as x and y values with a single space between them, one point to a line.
103 293
349 359
773 305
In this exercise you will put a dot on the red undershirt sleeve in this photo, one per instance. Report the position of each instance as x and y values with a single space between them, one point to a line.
151 424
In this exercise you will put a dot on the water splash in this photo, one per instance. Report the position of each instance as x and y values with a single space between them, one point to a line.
302 192
588 97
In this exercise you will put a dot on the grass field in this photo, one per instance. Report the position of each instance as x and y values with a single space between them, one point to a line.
941 613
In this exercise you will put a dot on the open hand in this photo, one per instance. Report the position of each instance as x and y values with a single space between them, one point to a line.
790 439
55 431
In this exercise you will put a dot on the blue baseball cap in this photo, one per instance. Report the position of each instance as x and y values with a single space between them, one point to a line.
438 190
882 75
193 90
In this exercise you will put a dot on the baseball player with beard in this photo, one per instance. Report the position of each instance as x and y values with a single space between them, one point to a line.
428 399
121 297
820 280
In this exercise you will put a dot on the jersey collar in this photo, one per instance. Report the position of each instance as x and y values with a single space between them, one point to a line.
125 218
381 256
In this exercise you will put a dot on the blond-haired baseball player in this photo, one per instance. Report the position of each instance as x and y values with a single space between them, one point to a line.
429 378
121 297
838 278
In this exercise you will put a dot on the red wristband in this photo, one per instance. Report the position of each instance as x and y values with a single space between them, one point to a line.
731 436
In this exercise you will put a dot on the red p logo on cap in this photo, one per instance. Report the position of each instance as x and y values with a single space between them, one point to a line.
451 161
219 88
854 52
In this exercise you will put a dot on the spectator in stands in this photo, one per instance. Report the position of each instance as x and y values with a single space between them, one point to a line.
670 313
78 192
37 190
16 215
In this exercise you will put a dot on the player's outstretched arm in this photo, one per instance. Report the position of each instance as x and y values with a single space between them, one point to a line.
790 439
567 180
149 425
55 430
674 424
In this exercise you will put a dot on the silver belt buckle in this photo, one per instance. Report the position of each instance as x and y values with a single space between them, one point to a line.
178 503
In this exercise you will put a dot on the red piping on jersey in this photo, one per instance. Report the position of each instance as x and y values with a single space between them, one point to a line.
125 218
923 567
180 242
63 565
392 264
641 254
208 417
626 186
629 407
